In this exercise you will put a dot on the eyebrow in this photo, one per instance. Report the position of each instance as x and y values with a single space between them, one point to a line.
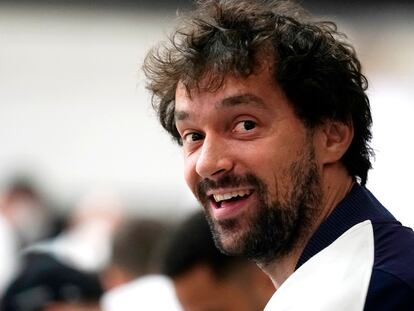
181 115
243 99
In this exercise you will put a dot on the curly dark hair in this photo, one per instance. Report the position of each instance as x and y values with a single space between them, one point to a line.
312 62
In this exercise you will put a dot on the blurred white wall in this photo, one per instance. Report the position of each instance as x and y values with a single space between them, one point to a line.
74 110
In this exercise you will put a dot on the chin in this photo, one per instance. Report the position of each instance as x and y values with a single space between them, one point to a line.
232 236
230 241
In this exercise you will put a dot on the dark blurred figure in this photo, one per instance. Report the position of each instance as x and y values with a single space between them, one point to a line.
133 277
205 279
47 284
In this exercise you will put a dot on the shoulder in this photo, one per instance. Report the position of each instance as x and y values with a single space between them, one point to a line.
388 292
392 281
394 251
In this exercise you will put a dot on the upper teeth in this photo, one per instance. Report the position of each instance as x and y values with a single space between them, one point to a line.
227 196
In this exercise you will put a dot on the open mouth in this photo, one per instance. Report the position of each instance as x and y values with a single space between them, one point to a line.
219 199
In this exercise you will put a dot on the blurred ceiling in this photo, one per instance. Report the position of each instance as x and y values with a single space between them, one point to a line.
319 5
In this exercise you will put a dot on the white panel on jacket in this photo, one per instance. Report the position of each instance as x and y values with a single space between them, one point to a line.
337 278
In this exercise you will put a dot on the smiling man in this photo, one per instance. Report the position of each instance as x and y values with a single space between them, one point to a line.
271 112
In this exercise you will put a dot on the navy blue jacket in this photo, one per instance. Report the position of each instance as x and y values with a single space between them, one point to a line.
391 286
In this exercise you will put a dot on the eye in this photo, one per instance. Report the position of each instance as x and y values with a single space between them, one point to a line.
192 137
244 126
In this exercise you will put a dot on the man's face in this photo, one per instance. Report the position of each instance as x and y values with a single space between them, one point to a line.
250 161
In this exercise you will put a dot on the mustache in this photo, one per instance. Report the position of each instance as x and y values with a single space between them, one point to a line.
227 181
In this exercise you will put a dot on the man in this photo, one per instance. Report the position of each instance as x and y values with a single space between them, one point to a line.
134 252
206 279
132 279
271 111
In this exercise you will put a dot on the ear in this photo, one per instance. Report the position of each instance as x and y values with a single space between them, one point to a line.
336 137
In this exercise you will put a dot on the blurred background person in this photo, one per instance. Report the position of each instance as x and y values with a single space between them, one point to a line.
61 273
205 279
25 209
132 279
24 219
133 251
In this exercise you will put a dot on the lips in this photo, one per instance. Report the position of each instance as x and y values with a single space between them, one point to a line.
234 195
229 204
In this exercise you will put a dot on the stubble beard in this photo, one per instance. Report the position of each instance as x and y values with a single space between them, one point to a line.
276 227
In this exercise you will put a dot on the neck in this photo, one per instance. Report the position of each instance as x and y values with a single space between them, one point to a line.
336 184
279 270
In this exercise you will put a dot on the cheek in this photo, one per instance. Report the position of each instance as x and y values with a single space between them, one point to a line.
271 166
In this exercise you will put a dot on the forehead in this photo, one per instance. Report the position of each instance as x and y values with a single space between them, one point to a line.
256 90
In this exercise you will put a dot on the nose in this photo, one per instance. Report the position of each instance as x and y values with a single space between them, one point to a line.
214 158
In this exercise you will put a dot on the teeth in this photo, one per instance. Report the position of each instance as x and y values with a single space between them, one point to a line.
230 195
